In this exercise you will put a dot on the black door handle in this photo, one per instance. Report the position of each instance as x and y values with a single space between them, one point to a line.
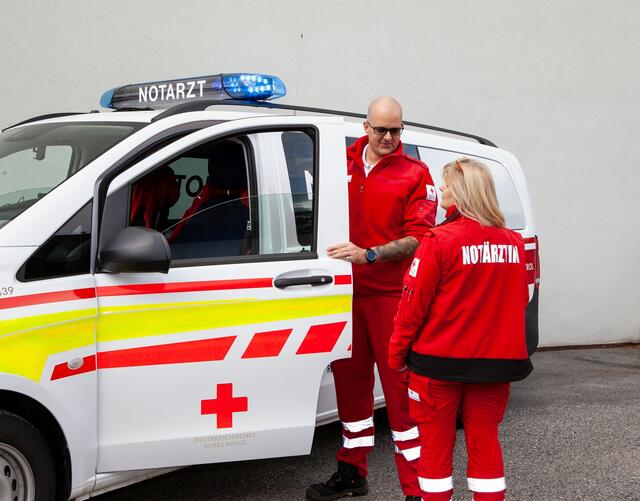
314 280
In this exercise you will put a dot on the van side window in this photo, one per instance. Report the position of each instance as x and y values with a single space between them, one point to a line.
411 150
225 199
508 197
66 253
408 149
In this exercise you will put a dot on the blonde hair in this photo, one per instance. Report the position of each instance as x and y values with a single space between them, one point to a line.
473 190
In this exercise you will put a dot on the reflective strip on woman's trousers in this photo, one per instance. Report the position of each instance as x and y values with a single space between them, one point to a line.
410 454
436 484
401 436
486 484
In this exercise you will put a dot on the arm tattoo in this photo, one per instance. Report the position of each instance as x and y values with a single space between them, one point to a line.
397 249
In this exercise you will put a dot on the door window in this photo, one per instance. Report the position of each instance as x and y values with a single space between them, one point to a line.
234 198
299 154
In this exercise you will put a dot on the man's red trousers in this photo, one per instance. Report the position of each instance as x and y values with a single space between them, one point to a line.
354 380
434 405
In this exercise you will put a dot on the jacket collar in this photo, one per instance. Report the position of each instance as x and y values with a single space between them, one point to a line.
451 215
354 152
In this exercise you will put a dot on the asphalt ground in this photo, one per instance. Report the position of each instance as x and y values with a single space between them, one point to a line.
571 432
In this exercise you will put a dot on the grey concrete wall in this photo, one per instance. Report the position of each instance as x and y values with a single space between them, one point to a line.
555 82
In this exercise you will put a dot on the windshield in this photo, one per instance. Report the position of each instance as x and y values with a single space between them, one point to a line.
34 159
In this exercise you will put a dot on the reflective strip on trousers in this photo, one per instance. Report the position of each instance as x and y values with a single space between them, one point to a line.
487 484
436 484
357 426
401 436
409 454
352 443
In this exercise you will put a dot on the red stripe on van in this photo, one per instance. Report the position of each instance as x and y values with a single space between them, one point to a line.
47 297
206 350
62 371
267 344
134 289
210 285
139 289
321 338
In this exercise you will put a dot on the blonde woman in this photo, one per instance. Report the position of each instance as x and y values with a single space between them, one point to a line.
460 330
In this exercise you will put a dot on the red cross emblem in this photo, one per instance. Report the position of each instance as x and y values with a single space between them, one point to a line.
224 405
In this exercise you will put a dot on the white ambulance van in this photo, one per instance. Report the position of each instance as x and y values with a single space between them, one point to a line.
165 294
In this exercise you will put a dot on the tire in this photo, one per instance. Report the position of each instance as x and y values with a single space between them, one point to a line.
27 470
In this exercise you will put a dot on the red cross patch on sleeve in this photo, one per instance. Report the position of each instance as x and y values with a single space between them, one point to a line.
431 193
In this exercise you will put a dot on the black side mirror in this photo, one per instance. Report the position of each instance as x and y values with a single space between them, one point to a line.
136 250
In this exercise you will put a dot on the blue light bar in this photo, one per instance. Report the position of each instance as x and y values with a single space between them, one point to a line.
254 87
229 86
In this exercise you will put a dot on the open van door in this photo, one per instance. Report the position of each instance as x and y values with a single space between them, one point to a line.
218 354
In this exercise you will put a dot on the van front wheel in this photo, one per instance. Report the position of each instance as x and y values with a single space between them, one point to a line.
26 464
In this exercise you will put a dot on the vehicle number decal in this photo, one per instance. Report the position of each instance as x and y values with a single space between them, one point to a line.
6 291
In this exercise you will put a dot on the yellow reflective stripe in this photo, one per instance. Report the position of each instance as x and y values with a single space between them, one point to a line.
26 343
15 325
162 306
25 353
126 322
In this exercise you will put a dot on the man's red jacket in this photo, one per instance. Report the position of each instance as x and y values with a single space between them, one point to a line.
396 200
462 312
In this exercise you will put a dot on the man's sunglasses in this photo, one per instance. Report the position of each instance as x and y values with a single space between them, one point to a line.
382 131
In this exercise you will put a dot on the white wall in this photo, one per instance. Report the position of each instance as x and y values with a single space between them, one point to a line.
555 82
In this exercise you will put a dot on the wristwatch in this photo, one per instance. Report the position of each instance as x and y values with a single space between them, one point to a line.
370 255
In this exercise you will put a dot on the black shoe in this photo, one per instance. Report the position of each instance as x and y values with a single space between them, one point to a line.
345 482
413 498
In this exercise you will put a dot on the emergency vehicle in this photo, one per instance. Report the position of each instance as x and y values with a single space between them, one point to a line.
165 294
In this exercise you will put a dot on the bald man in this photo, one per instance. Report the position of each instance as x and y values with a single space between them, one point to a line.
392 202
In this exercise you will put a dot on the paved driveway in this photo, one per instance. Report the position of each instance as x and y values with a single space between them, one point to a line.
572 432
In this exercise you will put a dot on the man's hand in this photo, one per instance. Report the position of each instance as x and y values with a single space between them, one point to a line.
391 251
347 252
